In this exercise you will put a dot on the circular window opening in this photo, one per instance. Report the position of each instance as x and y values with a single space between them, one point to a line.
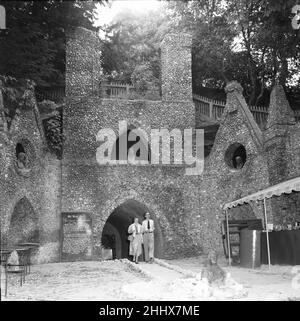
24 157
236 156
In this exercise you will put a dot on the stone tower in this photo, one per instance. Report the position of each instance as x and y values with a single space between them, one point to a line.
176 69
82 62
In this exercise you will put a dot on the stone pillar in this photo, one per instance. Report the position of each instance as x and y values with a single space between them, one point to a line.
50 218
280 121
82 62
176 67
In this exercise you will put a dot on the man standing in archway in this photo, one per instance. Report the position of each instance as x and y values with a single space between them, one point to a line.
148 238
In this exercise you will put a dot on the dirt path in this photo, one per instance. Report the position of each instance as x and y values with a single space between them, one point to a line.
160 272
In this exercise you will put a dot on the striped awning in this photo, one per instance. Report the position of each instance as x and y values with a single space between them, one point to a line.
292 185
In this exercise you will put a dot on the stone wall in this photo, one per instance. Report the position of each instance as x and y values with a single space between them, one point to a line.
282 147
176 68
222 183
82 62
188 209
29 198
99 189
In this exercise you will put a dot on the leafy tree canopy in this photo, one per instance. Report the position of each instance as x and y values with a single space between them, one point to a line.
33 45
251 41
132 40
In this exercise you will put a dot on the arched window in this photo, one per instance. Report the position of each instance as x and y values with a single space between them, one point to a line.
25 157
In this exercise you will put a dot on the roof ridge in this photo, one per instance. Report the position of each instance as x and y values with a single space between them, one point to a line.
235 88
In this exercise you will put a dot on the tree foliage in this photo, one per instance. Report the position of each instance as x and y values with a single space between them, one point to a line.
251 41
18 94
132 40
145 84
33 45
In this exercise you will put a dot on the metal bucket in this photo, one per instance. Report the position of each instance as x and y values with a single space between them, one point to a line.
250 254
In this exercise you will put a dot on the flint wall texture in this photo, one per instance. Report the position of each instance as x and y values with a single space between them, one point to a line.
165 190
187 209
29 202
176 68
282 147
82 62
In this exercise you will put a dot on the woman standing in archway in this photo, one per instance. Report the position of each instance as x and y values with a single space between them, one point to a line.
136 239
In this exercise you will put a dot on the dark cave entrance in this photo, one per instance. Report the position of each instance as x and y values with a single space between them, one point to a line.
114 234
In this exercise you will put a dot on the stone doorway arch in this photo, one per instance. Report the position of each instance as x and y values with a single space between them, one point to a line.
114 232
24 223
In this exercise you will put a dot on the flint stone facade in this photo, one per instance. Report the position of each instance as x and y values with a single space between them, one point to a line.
176 67
29 198
187 209
99 189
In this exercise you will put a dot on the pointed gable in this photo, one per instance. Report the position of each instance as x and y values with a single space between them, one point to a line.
235 102
280 112
238 137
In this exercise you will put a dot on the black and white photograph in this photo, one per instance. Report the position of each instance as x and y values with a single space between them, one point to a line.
150 152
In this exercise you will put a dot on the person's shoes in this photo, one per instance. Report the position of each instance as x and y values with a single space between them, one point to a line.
136 262
151 260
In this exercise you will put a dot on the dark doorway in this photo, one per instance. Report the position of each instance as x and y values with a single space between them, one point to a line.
23 224
114 235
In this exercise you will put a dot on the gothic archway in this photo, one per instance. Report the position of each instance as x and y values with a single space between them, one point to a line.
114 233
24 225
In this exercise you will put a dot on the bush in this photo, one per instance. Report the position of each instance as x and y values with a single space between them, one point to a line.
145 84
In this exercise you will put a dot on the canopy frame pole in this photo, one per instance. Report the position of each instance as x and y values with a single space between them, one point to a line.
228 241
267 233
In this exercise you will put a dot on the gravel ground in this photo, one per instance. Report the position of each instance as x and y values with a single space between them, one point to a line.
73 281
123 280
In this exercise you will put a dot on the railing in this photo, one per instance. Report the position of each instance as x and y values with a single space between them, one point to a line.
209 107
115 90
214 110
56 94
204 106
